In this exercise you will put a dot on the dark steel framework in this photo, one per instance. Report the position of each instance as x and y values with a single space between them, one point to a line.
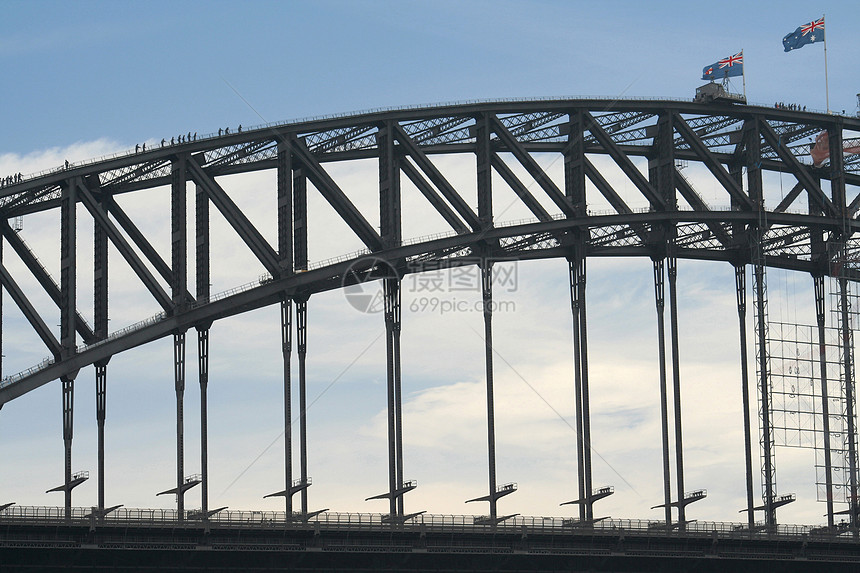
736 144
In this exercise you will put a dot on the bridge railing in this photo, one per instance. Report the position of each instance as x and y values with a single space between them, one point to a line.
335 521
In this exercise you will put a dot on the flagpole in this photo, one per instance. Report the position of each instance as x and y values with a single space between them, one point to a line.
826 86
744 69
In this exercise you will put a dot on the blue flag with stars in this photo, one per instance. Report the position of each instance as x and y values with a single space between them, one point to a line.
808 34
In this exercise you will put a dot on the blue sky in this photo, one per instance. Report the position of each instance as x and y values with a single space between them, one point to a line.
88 78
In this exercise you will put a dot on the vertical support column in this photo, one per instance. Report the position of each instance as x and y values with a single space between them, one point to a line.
660 297
398 397
1 312
300 219
68 425
389 187
484 170
487 299
179 379
302 346
768 469
573 271
390 292
100 312
741 292
574 164
201 226
285 258
586 403
203 375
390 231
101 407
820 315
847 346
287 351
178 283
68 297
676 380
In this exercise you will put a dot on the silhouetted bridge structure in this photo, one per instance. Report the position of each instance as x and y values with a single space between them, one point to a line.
581 215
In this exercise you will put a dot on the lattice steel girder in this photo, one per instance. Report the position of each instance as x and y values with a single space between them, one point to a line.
30 313
427 190
336 197
711 163
535 170
605 188
698 204
42 276
454 198
328 278
142 243
124 248
624 162
521 190
798 169
240 223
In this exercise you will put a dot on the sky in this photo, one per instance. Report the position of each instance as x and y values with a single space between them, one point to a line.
87 79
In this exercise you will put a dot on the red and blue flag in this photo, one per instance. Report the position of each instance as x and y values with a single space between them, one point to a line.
725 68
807 34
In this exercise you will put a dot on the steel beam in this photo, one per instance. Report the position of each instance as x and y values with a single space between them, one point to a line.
300 219
68 299
660 298
487 300
519 188
285 209
768 467
574 164
391 295
484 170
848 370
179 384
240 223
101 412
68 432
42 276
202 260
820 315
100 313
624 162
140 241
124 248
302 347
424 163
286 352
433 197
527 161
676 382
711 162
741 295
583 365
336 197
798 169
389 187
573 274
30 313
605 188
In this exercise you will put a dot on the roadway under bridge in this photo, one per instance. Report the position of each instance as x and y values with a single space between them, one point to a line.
575 215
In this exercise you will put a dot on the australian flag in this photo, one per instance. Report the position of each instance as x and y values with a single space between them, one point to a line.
725 68
808 34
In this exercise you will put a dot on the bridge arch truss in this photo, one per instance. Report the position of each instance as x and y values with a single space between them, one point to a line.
513 148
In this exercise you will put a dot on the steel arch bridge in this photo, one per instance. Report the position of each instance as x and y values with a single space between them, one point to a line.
811 228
